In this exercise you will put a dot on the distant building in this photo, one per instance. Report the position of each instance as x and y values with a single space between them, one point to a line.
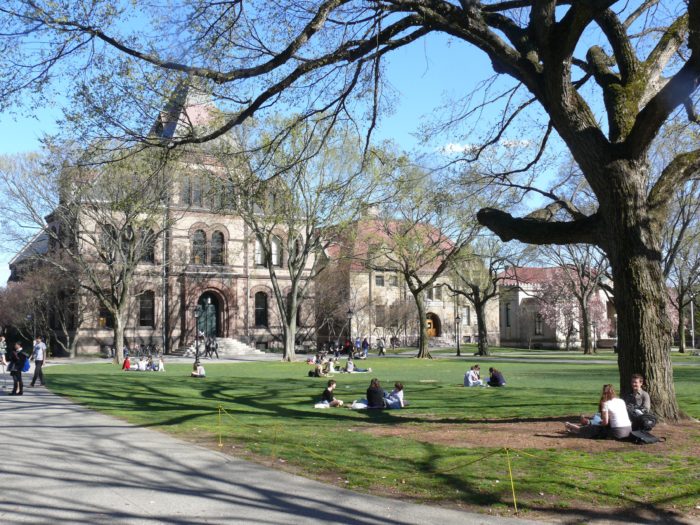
522 323
362 295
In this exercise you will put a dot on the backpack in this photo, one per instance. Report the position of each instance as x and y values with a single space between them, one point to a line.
26 365
642 437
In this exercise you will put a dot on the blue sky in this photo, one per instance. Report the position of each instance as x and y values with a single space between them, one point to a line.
421 75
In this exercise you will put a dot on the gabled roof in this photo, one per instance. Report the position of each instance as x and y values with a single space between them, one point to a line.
518 276
38 245
366 233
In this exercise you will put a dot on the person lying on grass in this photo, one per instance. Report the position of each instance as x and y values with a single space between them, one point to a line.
352 369
328 398
615 422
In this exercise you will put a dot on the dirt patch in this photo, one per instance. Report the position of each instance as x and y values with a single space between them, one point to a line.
538 434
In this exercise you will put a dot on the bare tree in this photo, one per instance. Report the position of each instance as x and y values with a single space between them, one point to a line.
643 59
297 193
102 221
476 275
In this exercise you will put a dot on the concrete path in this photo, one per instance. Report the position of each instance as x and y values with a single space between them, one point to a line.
64 464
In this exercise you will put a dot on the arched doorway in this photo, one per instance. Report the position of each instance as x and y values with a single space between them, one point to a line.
433 325
209 322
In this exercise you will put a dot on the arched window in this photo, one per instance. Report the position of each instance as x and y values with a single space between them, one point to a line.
261 309
259 255
148 243
147 302
276 251
199 247
538 324
217 248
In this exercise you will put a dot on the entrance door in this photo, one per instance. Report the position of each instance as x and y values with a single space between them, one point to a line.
208 322
432 324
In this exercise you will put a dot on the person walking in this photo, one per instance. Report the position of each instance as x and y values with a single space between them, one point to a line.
38 355
15 363
381 345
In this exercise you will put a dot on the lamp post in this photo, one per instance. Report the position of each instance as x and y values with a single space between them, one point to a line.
458 321
197 314
692 321
616 334
349 315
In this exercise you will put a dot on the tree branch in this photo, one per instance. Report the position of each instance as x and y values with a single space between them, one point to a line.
535 231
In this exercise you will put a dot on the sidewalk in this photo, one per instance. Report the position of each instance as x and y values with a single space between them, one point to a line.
63 463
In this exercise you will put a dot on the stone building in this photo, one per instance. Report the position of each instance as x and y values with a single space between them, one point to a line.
360 295
205 269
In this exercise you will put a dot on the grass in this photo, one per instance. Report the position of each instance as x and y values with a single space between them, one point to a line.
269 416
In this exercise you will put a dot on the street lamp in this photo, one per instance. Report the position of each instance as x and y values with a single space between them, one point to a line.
458 321
692 321
349 315
197 314
616 334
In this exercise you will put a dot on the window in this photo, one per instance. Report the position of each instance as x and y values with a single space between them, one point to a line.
217 249
148 243
468 315
380 315
147 309
538 324
186 194
199 247
276 251
259 255
260 309
393 280
197 192
105 318
379 280
507 316
435 293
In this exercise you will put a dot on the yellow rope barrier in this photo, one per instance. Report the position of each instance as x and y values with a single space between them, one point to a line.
602 469
221 443
512 484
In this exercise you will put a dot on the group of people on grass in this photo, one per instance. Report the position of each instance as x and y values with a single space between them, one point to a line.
617 418
144 364
473 377
376 397
325 366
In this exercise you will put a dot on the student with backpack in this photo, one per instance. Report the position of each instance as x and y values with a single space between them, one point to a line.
17 362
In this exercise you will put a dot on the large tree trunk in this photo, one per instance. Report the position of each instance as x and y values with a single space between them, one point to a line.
634 251
423 350
480 309
118 339
586 331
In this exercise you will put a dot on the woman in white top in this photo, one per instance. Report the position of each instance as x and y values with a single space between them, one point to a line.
613 414
395 399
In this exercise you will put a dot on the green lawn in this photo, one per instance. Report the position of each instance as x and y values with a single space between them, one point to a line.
268 414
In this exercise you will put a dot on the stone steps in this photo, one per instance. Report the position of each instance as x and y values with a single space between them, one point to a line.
228 347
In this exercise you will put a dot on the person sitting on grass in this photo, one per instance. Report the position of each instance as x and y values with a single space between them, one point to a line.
142 364
375 395
395 399
160 366
351 368
471 378
328 398
126 365
496 378
198 370
615 422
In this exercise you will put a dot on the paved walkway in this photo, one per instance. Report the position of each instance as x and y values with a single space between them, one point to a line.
64 464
